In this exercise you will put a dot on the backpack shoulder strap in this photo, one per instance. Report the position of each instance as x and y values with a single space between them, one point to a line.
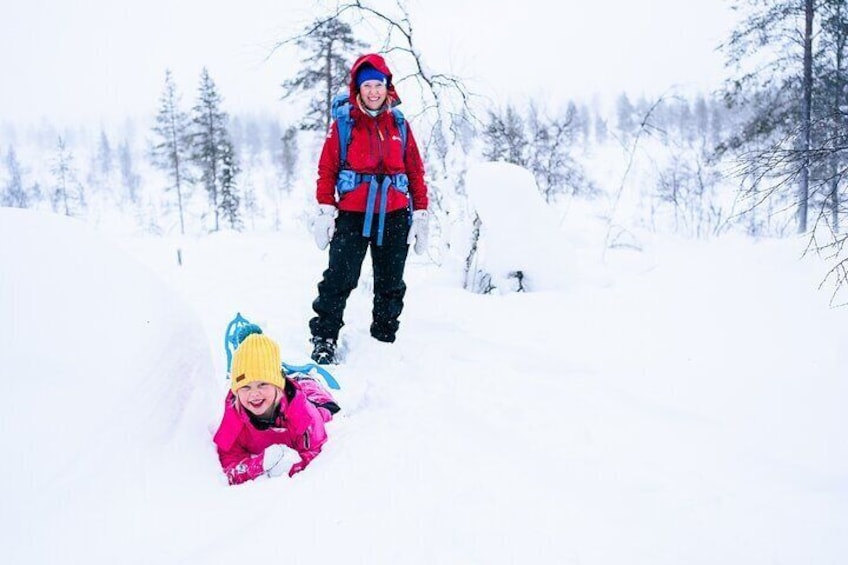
341 114
340 111
400 121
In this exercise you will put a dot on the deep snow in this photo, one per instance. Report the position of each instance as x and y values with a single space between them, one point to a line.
682 404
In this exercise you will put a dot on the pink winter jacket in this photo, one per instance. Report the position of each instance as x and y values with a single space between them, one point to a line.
304 408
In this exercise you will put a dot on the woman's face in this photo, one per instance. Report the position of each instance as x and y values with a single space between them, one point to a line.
373 94
258 397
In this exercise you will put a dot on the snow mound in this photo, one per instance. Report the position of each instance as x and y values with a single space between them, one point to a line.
519 242
102 363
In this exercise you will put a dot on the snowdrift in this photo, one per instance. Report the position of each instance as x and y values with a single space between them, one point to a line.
107 365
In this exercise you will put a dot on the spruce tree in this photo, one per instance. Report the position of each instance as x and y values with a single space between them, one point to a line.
288 157
104 155
14 194
172 148
229 191
329 45
129 177
773 52
67 195
830 132
211 147
505 138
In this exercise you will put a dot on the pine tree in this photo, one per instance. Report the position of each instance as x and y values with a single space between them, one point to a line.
129 177
172 149
830 135
505 138
555 170
625 115
779 93
104 155
328 45
229 191
67 194
284 158
288 157
14 195
211 145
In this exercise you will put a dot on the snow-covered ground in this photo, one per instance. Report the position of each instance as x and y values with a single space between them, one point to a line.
682 404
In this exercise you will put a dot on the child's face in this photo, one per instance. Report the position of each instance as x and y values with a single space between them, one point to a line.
257 397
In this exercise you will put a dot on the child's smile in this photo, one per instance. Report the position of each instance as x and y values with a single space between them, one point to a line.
257 397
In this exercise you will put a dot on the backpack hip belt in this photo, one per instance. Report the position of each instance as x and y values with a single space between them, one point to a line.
348 180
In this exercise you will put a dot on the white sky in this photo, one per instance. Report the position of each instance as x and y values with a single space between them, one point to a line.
99 59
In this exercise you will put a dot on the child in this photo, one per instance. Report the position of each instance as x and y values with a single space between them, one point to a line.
266 412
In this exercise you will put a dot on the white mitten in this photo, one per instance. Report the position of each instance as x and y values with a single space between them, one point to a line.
324 225
273 459
419 231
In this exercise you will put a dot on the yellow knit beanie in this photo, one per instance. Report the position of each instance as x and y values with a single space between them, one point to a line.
257 358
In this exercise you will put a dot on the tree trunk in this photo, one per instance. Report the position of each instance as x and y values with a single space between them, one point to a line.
806 117
839 99
329 90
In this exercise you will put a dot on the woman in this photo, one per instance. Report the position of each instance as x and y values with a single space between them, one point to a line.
365 191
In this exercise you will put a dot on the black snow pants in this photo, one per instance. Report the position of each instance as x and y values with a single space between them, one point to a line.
347 252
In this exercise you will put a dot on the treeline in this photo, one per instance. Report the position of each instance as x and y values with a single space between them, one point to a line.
152 172
758 155
163 164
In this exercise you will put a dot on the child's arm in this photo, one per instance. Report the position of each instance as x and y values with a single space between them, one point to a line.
310 435
239 465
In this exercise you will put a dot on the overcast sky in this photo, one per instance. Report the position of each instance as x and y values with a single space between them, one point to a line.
98 60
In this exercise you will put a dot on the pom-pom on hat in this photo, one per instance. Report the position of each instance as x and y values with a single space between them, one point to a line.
257 359
367 72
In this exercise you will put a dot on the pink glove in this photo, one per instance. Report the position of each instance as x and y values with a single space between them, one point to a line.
298 467
306 458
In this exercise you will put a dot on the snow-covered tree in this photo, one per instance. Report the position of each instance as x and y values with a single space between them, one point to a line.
550 159
772 52
212 150
14 194
505 138
130 179
104 155
172 147
67 195
229 190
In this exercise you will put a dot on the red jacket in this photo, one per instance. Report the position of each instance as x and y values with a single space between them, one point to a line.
375 147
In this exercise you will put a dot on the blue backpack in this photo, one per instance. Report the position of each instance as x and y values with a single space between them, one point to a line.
349 180
236 331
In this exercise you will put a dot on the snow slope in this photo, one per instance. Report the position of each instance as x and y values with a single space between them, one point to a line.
686 407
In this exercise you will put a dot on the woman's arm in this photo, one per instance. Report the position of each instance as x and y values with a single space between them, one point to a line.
328 168
415 172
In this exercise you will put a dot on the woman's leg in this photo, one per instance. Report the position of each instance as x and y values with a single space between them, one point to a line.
389 261
347 251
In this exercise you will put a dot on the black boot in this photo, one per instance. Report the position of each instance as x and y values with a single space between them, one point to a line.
324 352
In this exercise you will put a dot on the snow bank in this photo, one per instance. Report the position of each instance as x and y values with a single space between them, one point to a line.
102 364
